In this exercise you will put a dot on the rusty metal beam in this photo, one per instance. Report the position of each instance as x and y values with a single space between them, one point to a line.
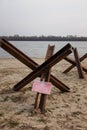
7 46
0 44
72 66
74 63
46 77
59 84
29 62
78 64
61 54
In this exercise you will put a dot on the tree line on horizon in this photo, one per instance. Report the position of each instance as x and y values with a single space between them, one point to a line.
44 38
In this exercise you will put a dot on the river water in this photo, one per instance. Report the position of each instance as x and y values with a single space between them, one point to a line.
38 48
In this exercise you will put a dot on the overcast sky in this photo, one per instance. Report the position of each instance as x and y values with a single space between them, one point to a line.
43 17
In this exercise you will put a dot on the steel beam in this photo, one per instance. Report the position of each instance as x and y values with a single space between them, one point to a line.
7 46
72 66
61 54
46 77
74 63
78 64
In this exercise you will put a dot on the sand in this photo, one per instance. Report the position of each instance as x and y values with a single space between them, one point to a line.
64 111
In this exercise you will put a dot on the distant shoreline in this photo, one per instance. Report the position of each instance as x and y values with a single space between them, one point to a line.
44 38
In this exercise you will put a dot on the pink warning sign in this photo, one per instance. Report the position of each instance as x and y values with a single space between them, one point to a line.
42 87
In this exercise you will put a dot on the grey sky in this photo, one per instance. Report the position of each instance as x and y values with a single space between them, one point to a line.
43 17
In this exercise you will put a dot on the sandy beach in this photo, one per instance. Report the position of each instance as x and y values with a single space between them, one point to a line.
64 111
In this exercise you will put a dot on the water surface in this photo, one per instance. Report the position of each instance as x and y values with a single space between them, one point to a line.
38 48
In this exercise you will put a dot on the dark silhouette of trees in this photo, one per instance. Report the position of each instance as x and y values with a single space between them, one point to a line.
44 38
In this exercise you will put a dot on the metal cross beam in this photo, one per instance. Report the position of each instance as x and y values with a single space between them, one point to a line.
31 64
74 64
61 54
